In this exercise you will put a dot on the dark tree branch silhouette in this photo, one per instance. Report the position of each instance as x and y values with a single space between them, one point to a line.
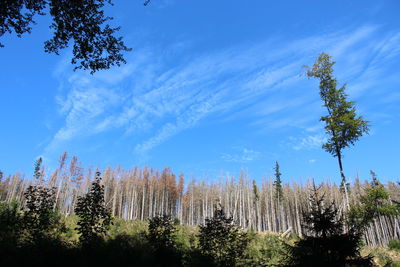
81 23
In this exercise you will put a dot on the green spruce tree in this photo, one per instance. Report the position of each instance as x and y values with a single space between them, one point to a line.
342 124
374 177
325 241
37 174
278 183
222 242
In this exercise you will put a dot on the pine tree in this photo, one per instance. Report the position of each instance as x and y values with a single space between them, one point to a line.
37 173
278 183
375 181
325 242
221 241
321 220
342 124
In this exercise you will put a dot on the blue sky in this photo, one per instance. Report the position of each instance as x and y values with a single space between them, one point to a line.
210 88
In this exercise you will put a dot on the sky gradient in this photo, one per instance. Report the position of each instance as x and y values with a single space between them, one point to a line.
210 88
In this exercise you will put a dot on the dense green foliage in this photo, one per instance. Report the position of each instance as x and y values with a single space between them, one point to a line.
40 220
11 223
326 243
342 123
221 241
94 217
372 203
161 238
161 230
394 244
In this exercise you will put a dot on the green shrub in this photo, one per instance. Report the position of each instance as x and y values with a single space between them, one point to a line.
394 244
11 226
223 243
161 231
40 221
161 237
267 250
94 218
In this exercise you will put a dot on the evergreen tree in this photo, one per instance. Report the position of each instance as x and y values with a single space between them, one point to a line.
161 231
374 177
40 221
373 202
11 224
94 218
342 124
278 183
325 243
37 173
161 238
221 241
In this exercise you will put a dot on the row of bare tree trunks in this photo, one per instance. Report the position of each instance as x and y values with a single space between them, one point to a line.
142 193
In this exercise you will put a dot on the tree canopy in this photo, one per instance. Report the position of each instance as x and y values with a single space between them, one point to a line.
342 123
82 23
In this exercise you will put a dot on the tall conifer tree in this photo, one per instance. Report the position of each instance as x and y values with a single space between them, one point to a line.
342 124
278 182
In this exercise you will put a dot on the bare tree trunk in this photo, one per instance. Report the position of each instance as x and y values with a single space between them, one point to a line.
339 156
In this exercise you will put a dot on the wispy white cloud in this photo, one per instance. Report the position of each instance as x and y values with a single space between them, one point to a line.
153 101
307 142
242 155
186 120
82 108
352 39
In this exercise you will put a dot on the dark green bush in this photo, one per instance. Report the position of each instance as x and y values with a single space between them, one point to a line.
161 238
221 242
161 231
11 224
94 218
394 244
268 250
40 221
325 242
